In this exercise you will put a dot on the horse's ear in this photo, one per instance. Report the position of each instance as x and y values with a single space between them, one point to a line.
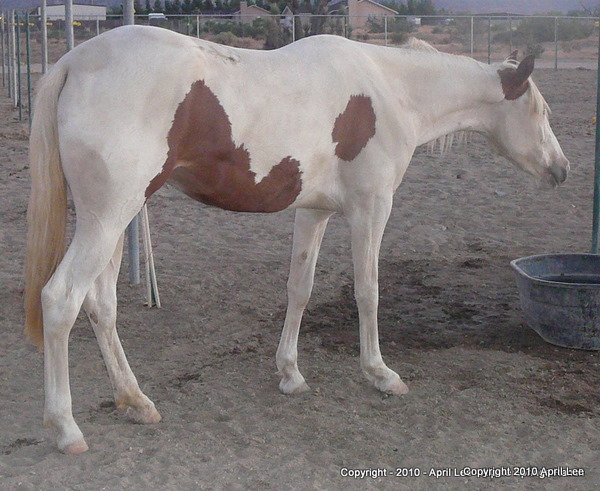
516 82
526 67
513 56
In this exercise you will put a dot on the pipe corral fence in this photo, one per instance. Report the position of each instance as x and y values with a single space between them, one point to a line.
557 42
28 44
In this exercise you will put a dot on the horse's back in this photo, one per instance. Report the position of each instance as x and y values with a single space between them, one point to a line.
222 122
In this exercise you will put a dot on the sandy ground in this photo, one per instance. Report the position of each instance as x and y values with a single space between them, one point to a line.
486 391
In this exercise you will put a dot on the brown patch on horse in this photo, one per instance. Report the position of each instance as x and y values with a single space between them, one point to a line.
354 127
204 163
516 82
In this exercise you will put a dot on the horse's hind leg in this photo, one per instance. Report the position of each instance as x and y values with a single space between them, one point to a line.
309 228
100 305
90 251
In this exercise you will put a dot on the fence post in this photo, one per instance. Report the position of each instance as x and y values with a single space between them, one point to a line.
472 36
385 22
70 35
12 50
19 90
44 34
510 46
128 13
133 229
489 40
596 205
293 28
3 49
198 26
555 43
28 60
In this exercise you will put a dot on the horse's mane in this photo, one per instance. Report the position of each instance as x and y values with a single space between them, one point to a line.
419 45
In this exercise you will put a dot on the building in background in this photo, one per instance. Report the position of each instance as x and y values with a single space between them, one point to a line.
80 12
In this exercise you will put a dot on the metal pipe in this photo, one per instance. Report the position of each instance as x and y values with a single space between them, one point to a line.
19 89
555 43
12 86
3 49
128 13
472 37
596 207
489 40
69 34
385 23
133 229
510 45
133 249
44 34
28 60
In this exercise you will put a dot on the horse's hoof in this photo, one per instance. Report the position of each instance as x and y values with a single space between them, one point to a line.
293 386
74 448
388 382
397 388
143 415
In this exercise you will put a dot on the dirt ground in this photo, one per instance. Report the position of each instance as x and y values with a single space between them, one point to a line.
486 391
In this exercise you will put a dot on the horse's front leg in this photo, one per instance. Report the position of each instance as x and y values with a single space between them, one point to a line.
368 217
309 228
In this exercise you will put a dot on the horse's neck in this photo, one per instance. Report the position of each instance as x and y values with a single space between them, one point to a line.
447 93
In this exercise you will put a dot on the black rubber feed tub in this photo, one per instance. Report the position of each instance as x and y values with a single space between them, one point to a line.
560 296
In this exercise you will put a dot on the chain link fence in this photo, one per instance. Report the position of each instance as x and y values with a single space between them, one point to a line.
557 42
565 40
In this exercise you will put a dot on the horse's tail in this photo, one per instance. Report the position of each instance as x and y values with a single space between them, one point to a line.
47 211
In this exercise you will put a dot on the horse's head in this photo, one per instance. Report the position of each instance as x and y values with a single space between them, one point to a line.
520 130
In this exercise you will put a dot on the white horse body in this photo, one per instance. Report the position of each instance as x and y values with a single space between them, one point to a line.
324 125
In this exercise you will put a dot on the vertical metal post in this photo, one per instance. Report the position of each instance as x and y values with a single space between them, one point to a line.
294 28
3 49
69 34
97 26
510 46
8 56
28 57
12 58
198 26
128 13
596 215
385 23
19 89
472 37
44 34
133 229
555 43
489 40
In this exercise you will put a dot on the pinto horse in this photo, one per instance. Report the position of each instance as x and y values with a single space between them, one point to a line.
323 125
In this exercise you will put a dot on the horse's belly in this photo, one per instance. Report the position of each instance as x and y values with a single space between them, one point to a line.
230 184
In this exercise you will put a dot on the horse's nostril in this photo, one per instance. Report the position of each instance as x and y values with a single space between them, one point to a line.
560 171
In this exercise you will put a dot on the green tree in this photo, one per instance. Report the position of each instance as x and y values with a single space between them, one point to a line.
158 7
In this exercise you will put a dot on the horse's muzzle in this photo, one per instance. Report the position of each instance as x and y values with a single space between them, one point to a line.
559 171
